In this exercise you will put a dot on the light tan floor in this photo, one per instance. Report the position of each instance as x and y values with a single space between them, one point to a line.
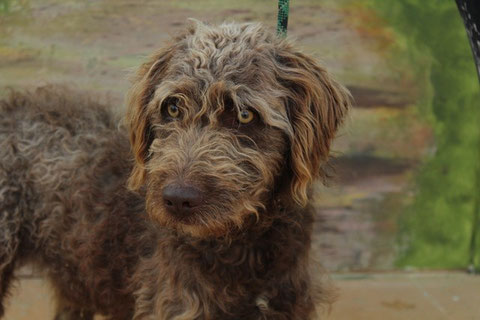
422 296
392 296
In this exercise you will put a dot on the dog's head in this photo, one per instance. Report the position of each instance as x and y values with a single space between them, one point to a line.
223 121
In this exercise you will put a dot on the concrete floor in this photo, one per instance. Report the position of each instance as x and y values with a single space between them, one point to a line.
408 296
390 296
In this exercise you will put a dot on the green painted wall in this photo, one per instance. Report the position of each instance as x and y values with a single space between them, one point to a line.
435 229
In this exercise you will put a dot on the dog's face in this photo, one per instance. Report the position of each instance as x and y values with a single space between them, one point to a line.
224 120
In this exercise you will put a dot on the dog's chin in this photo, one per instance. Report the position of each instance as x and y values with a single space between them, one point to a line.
201 225
201 232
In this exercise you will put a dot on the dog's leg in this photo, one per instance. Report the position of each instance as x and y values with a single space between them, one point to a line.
6 276
10 224
65 310
67 313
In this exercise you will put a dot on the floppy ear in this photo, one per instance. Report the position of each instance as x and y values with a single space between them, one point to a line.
141 93
316 106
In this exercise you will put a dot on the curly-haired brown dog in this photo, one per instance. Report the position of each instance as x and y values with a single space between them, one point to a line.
209 219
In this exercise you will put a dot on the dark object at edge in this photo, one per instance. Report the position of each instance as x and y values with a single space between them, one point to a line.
470 12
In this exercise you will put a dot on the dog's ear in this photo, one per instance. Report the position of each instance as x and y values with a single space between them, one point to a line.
148 77
316 106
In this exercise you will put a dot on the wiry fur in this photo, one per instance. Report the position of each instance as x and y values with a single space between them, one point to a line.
65 166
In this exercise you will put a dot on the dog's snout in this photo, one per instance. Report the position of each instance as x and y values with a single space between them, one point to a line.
181 199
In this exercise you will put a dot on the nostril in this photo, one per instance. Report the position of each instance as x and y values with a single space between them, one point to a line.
187 204
181 198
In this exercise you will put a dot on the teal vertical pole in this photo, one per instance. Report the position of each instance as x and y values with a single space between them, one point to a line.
282 22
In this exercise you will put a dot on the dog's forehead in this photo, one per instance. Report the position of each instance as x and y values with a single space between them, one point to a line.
228 47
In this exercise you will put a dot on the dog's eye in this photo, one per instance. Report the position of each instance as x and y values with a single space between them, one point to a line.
245 116
173 110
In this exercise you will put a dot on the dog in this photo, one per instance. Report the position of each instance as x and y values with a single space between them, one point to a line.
196 206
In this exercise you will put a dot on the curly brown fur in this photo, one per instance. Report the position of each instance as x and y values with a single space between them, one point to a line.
242 252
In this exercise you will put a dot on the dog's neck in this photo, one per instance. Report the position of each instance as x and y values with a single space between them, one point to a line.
248 261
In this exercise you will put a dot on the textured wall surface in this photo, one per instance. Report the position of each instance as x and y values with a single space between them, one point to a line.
403 186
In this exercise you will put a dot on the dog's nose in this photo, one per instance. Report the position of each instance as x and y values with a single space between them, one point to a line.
181 199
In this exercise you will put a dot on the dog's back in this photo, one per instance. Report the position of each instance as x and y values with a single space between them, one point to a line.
63 166
53 142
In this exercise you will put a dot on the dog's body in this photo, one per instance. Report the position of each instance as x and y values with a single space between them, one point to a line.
228 127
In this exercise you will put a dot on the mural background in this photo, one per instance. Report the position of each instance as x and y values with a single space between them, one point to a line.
405 165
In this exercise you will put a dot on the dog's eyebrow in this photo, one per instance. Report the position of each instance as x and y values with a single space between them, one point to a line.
266 102
180 89
270 108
